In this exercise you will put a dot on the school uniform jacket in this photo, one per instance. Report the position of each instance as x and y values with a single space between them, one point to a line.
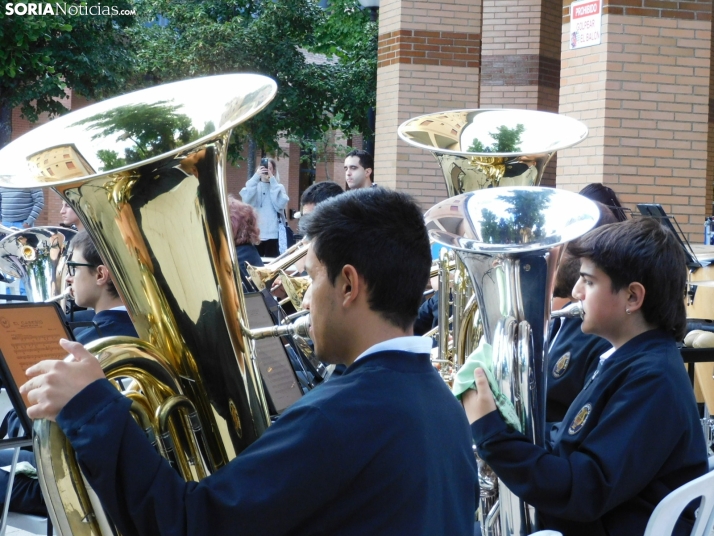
384 449
110 322
629 438
572 359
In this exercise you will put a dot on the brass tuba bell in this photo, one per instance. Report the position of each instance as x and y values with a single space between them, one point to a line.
145 173
508 235
484 148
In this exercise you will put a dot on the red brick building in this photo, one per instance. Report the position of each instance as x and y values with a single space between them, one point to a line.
645 92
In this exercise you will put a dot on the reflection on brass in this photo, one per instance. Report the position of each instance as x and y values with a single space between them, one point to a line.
487 148
478 151
153 198
37 256
235 418
295 288
510 241
262 275
63 162
28 253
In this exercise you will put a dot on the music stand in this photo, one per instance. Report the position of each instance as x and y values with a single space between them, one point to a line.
29 333
281 381
655 210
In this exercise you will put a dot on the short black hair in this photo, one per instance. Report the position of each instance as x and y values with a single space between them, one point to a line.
605 195
320 191
382 234
83 242
365 160
643 251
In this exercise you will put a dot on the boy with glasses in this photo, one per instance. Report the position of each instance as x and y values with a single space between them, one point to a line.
92 287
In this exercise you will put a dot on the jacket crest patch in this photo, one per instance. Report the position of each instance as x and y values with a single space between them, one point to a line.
579 420
561 365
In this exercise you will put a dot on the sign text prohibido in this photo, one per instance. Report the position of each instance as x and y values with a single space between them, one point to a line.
585 23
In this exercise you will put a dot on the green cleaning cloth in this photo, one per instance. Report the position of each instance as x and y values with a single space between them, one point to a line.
482 357
22 468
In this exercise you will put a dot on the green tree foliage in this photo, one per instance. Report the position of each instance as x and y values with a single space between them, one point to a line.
150 129
203 37
524 222
507 140
42 55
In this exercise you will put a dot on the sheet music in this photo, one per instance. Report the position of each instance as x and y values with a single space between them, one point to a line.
29 334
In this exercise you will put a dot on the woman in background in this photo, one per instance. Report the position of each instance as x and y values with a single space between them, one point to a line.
244 224
605 195
267 196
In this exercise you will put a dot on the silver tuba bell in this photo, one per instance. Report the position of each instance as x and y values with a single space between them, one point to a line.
507 234
484 148
37 256
510 240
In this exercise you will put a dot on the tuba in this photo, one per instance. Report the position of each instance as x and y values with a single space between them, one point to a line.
510 240
506 236
37 256
145 173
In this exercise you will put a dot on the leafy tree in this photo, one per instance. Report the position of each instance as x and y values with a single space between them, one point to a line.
507 140
525 223
96 56
152 129
193 38
42 55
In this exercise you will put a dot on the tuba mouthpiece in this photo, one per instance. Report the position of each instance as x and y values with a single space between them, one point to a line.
573 310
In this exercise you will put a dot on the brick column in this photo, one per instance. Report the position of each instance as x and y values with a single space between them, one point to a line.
520 58
644 93
429 55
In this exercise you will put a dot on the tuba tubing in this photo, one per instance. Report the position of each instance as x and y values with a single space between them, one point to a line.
147 180
510 240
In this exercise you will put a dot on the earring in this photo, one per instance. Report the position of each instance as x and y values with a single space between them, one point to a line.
627 311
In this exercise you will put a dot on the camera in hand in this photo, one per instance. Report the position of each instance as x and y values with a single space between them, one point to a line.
264 162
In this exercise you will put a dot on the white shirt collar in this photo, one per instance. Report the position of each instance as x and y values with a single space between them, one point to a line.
413 344
607 354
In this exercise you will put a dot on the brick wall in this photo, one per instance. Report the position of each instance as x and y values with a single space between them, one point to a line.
421 47
688 10
428 63
644 93
520 63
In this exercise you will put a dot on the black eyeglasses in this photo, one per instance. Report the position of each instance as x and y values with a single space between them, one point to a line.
72 267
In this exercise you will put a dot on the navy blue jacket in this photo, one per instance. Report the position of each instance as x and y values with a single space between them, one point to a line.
384 449
110 323
571 361
629 438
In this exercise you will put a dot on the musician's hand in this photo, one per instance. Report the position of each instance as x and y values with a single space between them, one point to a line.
480 402
277 289
54 383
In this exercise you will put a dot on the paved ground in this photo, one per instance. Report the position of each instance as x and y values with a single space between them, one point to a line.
12 531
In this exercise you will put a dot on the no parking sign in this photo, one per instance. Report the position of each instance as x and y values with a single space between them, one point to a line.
585 23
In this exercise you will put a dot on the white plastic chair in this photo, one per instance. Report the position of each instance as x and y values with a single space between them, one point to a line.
665 516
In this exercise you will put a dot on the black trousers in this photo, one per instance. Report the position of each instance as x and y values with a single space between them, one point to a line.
26 495
268 248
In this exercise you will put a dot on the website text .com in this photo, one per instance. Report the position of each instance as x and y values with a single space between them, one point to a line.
46 8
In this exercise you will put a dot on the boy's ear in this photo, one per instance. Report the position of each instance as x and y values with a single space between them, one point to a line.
635 297
351 286
102 275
